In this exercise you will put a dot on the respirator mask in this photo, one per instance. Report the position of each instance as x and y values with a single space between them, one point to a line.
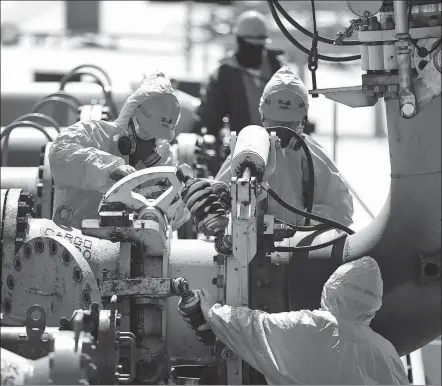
138 149
249 55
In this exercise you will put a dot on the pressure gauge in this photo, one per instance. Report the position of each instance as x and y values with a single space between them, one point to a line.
364 8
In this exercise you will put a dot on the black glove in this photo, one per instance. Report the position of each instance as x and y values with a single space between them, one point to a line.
201 201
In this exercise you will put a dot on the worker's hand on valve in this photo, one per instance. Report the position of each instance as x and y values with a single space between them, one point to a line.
122 171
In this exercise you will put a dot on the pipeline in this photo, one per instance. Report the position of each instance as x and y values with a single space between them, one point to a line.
405 238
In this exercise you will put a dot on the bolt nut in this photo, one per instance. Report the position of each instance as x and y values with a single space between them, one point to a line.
259 283
7 306
10 282
86 297
22 224
78 275
39 245
408 110
64 213
17 264
66 257
39 189
28 250
53 248
23 209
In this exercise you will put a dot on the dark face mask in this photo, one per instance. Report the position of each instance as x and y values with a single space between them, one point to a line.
138 149
249 55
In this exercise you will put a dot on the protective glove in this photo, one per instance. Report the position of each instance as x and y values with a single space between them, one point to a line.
121 172
202 203
206 303
222 190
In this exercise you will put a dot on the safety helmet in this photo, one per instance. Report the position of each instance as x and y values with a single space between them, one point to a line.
251 26
285 97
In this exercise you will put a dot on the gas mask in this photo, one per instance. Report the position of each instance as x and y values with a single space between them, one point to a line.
138 149
249 55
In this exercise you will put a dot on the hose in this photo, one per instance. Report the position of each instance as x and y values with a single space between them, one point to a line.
311 170
7 131
65 95
310 247
107 89
93 66
44 117
47 100
300 46
307 32
303 228
312 216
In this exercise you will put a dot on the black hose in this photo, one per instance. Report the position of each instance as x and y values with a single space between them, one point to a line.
107 89
43 117
65 95
303 228
301 47
74 70
312 216
45 101
13 125
307 32
311 170
310 247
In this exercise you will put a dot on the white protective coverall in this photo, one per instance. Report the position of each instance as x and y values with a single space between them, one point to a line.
83 156
332 345
332 198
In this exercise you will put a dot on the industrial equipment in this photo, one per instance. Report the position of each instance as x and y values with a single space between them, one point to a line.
400 45
254 260
84 349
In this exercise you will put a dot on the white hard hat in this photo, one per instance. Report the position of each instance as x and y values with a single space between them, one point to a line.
251 26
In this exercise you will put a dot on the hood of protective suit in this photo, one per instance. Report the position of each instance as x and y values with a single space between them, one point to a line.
285 97
354 291
155 108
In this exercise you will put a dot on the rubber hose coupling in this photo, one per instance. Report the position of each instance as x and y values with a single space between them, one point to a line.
208 213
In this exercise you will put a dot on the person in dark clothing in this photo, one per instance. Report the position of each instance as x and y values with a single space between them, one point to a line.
235 88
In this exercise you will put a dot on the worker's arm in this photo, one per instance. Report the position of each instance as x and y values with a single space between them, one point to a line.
214 103
78 157
265 341
332 198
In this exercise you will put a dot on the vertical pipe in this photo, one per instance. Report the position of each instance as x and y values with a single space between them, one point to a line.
407 100
400 16
335 132
417 367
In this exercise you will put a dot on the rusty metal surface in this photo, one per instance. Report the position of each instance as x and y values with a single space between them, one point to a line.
106 259
147 286
52 273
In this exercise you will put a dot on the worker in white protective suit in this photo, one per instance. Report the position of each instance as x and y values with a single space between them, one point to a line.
332 345
87 158
284 102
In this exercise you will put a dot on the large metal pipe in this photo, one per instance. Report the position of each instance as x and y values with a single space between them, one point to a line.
405 238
